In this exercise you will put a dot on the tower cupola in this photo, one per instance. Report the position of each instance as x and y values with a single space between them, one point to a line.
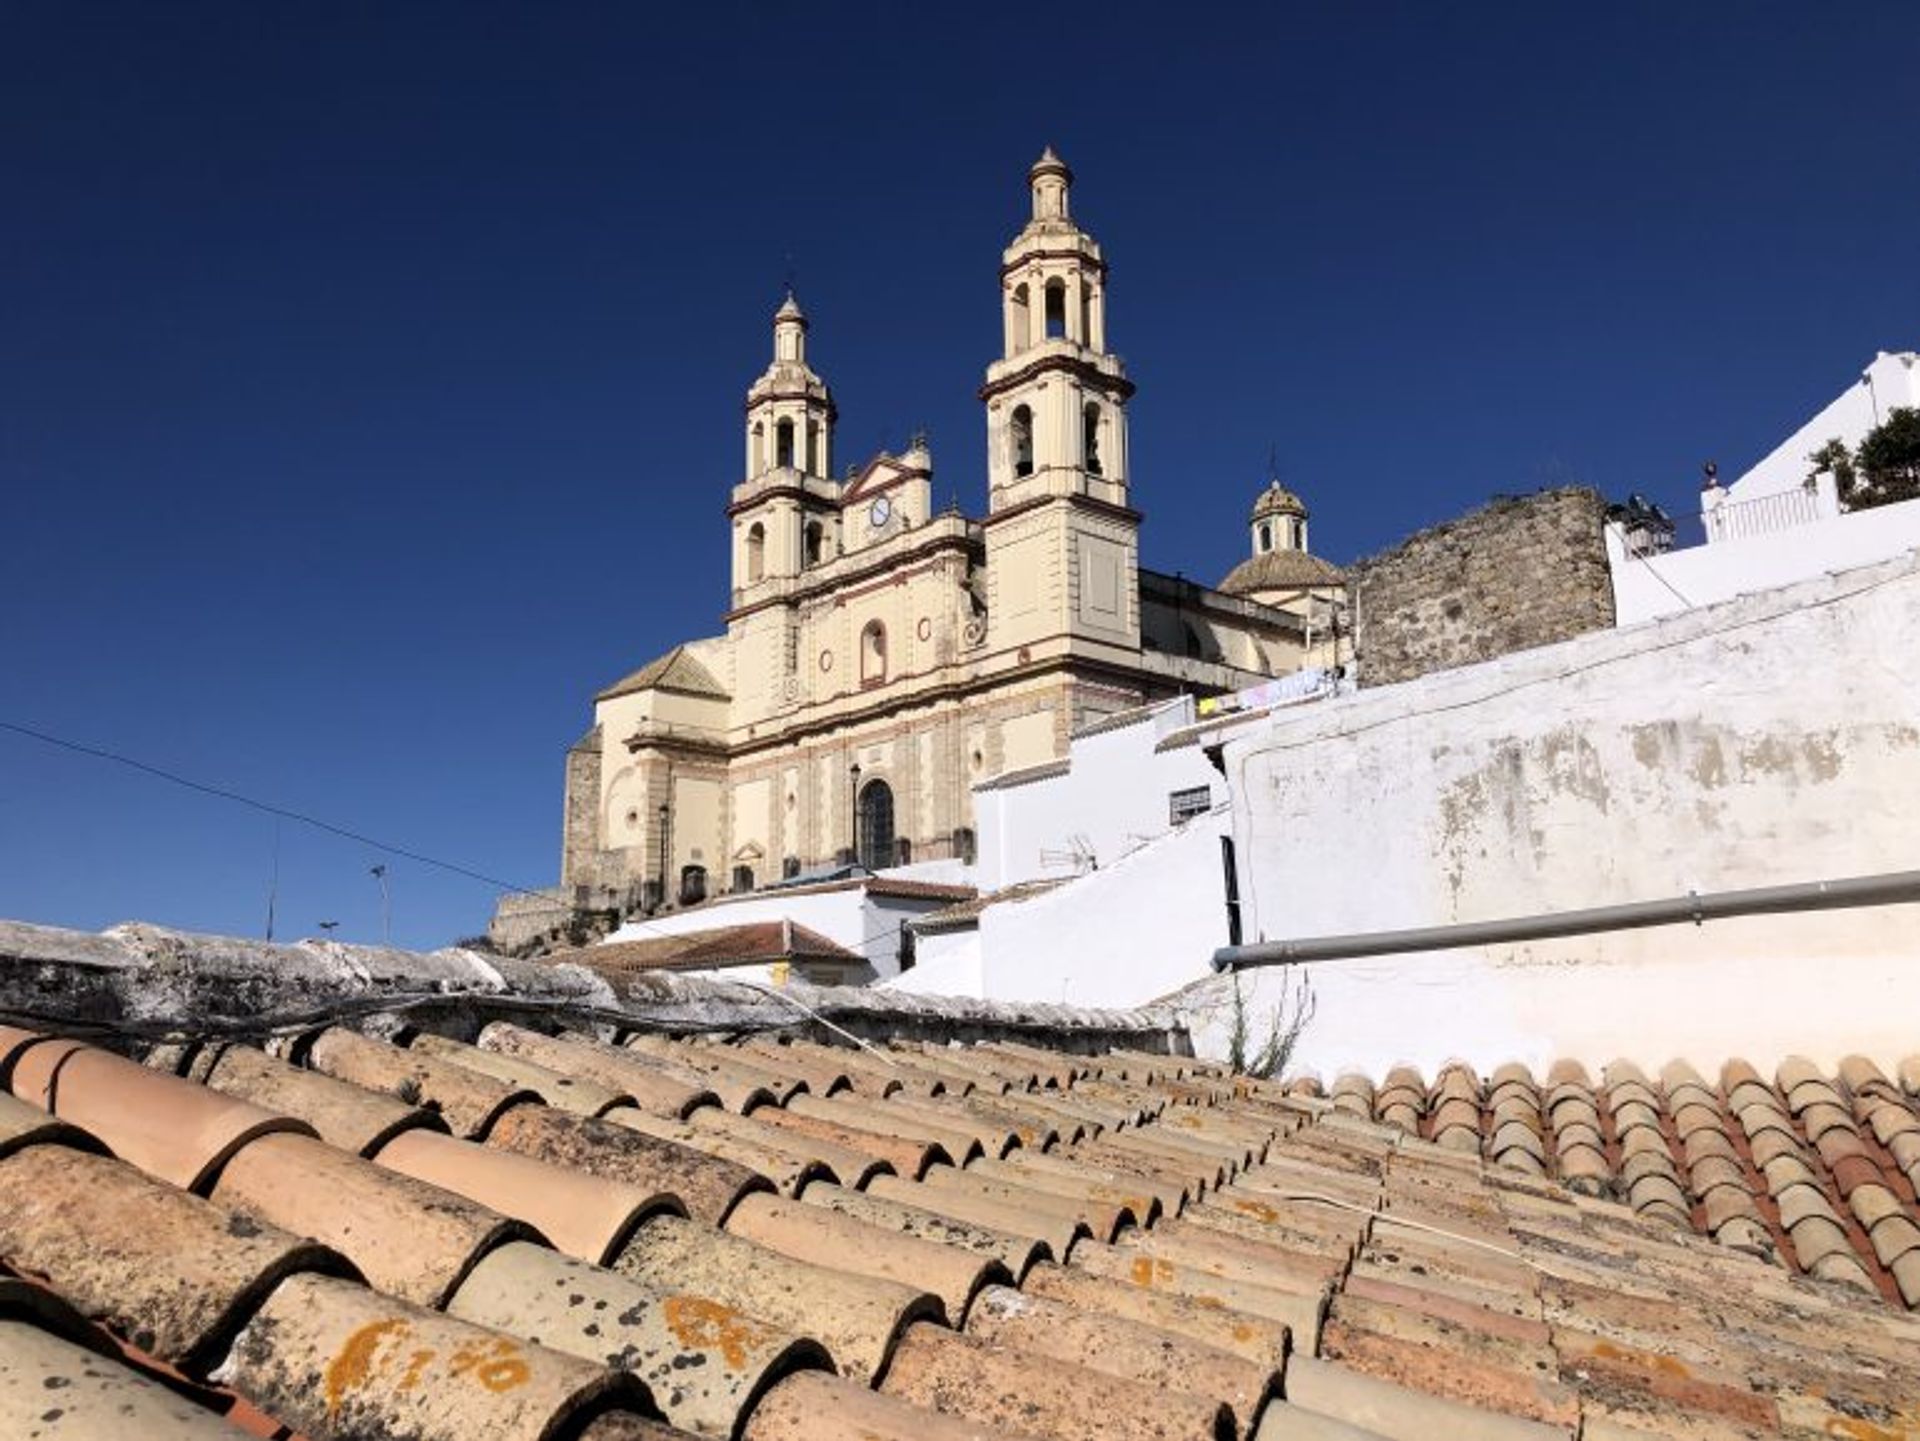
790 411
1049 180
1279 520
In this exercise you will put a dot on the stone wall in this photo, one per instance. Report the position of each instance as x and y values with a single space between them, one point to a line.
580 863
528 916
1521 572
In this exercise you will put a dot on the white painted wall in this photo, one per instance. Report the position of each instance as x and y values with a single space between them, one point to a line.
946 963
869 925
1114 798
1892 380
1120 936
1644 588
1773 987
1769 739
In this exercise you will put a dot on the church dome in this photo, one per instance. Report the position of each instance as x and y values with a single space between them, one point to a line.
1276 499
1281 570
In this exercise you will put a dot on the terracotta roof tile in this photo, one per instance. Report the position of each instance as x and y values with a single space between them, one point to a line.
408 1238
336 1359
859 1318
171 1128
175 1274
1127 1241
704 1362
42 1375
583 1215
467 1100
1006 1388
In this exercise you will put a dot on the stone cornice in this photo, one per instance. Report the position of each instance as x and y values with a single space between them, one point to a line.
1093 262
1085 502
1116 386
931 546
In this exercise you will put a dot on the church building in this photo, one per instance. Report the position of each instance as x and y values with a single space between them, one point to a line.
881 658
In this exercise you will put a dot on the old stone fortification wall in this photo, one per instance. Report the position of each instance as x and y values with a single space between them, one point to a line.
1521 572
581 862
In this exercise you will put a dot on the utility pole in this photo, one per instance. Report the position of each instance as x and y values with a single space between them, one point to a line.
379 873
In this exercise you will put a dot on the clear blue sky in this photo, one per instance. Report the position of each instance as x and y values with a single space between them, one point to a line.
370 374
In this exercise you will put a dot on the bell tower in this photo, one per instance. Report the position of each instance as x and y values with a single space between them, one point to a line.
1063 542
783 509
1056 398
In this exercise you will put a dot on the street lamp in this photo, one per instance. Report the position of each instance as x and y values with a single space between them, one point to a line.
853 810
379 873
666 813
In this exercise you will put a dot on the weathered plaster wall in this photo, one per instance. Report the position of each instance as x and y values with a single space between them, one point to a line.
1521 572
1770 739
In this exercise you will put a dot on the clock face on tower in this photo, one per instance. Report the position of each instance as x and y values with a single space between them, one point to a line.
879 511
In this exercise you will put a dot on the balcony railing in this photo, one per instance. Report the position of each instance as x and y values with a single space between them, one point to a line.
1763 515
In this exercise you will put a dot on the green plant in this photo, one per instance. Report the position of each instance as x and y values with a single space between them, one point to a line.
1268 1057
1887 464
1833 456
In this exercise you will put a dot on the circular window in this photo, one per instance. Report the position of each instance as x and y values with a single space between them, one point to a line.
826 660
925 629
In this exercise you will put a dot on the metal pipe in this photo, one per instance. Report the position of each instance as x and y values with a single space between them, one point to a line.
1892 888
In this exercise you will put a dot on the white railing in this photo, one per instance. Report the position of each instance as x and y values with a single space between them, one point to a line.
1764 515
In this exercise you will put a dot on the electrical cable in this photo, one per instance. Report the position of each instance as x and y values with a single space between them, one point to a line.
267 807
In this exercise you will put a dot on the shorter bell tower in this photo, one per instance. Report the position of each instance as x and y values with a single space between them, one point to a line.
783 510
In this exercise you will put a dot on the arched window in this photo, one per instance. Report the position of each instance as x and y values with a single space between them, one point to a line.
783 444
1056 309
873 653
759 447
1266 536
742 879
693 885
813 448
1299 534
1020 316
1090 437
756 552
1020 433
812 538
875 847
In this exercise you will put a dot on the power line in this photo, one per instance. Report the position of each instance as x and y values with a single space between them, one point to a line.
266 807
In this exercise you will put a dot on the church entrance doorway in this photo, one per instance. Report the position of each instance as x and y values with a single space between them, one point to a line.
876 825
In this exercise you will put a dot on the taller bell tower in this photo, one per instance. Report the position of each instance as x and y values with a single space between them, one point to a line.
1056 398
1063 542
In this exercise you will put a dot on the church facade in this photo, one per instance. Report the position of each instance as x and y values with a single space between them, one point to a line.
881 658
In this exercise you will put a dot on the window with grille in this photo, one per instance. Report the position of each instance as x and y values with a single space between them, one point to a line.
1185 805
